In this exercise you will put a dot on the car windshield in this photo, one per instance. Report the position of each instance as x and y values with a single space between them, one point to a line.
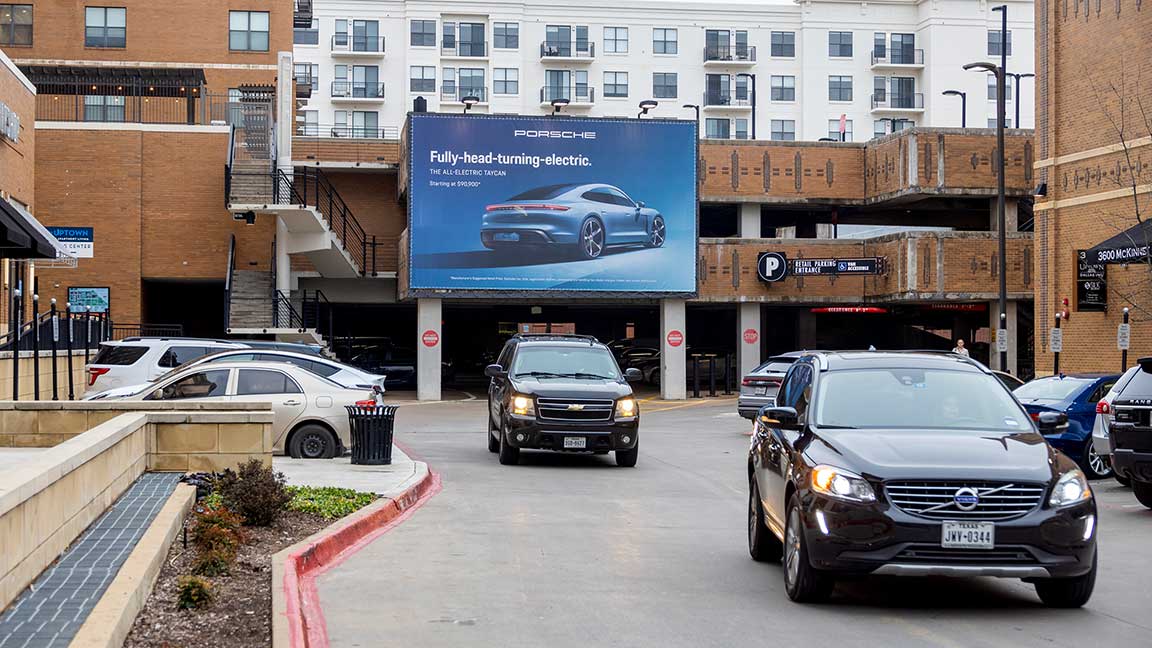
565 362
1056 389
774 366
917 399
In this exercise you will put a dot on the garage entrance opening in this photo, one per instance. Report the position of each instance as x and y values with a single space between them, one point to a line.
198 305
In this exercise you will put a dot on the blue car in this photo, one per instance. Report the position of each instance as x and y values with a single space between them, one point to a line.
587 218
1075 395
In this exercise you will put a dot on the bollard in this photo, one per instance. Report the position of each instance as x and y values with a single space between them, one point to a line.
55 338
695 376
35 346
71 380
17 297
712 376
728 374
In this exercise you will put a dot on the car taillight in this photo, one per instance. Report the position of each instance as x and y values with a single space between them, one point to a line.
1035 416
544 206
94 373
1103 407
749 381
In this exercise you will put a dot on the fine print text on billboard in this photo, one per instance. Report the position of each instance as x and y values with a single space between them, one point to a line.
552 204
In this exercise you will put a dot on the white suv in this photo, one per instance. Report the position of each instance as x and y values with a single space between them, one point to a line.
133 361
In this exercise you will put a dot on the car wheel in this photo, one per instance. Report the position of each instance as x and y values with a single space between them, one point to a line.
1143 491
656 236
1096 466
654 377
1067 592
803 582
592 238
509 454
312 442
493 440
1123 479
763 546
627 458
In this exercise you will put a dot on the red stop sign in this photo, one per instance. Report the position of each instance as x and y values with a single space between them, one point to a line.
675 338
751 336
430 338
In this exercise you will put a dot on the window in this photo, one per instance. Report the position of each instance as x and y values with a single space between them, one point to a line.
904 93
366 36
882 127
903 49
472 83
178 355
448 40
664 85
422 78
879 89
615 84
105 26
16 24
202 384
717 129
102 108
741 128
248 31
717 45
783 130
616 40
251 382
340 35
506 81
879 45
362 124
506 35
311 125
839 88
784 44
366 81
448 88
992 122
840 44
742 88
783 88
994 42
664 41
472 40
423 33
834 129
992 89
307 35
307 72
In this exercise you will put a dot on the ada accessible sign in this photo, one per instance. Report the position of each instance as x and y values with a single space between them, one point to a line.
1091 284
865 266
78 241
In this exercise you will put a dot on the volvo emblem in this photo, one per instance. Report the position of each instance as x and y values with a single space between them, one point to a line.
966 499
575 407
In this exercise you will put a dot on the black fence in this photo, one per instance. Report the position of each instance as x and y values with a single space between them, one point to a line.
47 336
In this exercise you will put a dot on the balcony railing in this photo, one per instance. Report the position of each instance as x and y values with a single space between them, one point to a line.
574 94
354 44
357 90
390 133
738 54
305 86
898 57
571 49
726 99
898 101
457 94
135 104
464 48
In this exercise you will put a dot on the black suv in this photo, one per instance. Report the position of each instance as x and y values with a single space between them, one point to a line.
561 392
914 464
1130 431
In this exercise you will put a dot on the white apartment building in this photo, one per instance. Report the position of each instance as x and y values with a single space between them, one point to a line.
772 71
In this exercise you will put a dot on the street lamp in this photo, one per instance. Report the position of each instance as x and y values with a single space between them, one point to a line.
696 108
752 79
559 103
963 105
1026 75
645 106
469 101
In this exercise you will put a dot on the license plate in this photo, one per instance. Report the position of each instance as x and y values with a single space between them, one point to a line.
507 236
575 443
760 391
968 535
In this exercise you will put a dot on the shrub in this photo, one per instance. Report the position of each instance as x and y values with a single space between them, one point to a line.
209 538
194 592
254 491
215 562
327 502
213 501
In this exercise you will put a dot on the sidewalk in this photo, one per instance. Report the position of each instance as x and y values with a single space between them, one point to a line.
339 472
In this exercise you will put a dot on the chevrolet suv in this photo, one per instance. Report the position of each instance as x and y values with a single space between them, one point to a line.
564 393
914 464
1130 430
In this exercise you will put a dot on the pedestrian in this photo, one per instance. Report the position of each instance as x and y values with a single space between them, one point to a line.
960 348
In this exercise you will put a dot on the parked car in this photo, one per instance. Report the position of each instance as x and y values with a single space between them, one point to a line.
759 387
1011 382
138 360
914 464
1104 418
1130 432
637 356
708 359
1075 395
564 393
396 363
588 218
309 417
620 345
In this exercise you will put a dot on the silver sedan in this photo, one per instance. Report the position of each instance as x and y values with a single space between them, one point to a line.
760 386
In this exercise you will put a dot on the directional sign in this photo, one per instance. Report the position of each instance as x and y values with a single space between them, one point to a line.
675 338
865 266
772 266
1056 340
1124 337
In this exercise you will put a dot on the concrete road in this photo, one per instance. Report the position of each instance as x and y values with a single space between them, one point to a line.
572 551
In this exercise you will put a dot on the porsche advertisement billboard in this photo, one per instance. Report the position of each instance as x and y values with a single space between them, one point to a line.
551 204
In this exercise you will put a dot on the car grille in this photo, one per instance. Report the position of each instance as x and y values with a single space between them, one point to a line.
575 409
1138 416
936 555
936 500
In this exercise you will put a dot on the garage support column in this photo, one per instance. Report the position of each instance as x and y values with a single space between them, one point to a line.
673 344
749 220
428 346
748 338
283 261
1013 337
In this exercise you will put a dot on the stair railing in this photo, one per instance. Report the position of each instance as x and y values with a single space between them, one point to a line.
229 278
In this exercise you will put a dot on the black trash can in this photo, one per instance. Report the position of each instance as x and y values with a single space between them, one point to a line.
371 429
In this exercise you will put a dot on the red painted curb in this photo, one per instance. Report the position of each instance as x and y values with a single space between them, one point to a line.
306 624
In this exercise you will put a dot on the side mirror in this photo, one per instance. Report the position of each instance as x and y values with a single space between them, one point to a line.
1051 421
784 418
494 371
640 204
632 374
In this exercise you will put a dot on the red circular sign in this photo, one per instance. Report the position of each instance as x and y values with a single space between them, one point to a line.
751 336
675 338
430 338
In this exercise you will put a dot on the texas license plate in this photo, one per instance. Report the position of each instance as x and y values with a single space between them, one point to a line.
507 236
968 535
760 391
575 443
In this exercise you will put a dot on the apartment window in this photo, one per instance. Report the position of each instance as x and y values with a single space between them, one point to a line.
16 24
994 43
717 45
741 128
472 83
834 129
664 85
992 122
742 94
307 35
879 45
882 127
307 72
448 40
840 44
422 78
105 26
103 108
506 81
784 44
358 123
423 33
783 130
992 89
664 41
717 129
448 88
311 125
248 31
615 84
879 89
616 40
366 36
839 88
783 88
472 41
506 35
903 91
903 49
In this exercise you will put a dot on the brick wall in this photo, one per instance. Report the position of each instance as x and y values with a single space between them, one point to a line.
372 198
781 170
17 163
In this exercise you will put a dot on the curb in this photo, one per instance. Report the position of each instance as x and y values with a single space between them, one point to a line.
297 619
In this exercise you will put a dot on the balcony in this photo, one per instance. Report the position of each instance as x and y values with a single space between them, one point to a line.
464 49
144 103
577 96
725 100
898 59
888 102
352 46
456 94
567 52
346 147
357 91
304 87
725 55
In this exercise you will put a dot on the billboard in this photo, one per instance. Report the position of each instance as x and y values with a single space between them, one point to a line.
556 205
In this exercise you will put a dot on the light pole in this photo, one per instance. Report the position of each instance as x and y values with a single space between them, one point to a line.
1026 75
963 105
557 104
645 106
469 101
695 107
752 89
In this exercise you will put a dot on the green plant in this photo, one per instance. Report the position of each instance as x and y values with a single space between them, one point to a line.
215 562
194 592
254 491
327 502
213 501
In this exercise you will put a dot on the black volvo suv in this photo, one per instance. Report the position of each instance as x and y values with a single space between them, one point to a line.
561 392
914 464
1130 431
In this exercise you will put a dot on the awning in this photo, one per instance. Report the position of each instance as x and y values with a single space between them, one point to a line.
1127 246
23 237
120 81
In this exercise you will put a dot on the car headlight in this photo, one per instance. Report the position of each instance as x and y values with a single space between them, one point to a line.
523 405
1071 488
841 484
626 408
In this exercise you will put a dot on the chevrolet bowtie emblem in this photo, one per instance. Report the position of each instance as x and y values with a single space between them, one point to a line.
574 407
